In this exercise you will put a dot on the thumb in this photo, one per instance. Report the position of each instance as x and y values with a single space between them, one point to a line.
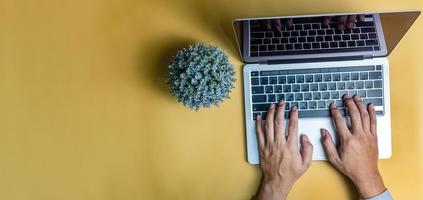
306 151
329 147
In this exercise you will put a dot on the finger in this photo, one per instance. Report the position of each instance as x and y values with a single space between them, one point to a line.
260 135
339 122
329 148
364 114
277 26
327 20
351 21
342 20
306 151
280 123
361 18
267 25
270 124
354 114
289 22
372 114
293 127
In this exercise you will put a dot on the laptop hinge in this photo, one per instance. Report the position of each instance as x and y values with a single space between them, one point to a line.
307 60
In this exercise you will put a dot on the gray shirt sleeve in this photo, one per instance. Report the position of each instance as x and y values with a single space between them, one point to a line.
385 195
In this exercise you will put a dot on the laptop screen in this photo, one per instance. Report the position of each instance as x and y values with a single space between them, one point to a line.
318 36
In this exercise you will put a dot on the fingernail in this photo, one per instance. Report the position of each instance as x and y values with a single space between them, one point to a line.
341 27
350 25
272 106
294 108
357 97
345 96
333 104
259 116
322 132
371 106
305 138
282 101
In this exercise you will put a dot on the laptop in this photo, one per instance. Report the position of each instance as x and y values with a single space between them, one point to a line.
311 61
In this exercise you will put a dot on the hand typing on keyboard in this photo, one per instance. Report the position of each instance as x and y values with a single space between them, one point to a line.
356 156
280 161
342 21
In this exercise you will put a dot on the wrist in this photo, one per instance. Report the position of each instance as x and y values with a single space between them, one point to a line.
278 187
370 186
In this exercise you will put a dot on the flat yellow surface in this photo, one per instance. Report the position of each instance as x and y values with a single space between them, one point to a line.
85 113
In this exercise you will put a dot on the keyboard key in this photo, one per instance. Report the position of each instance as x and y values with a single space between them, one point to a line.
368 29
360 43
342 93
281 79
287 106
375 101
271 98
323 86
352 93
364 75
307 96
342 44
254 73
261 107
350 85
327 77
300 78
318 78
341 85
303 105
314 87
340 103
271 47
296 88
321 104
256 41
266 41
346 37
374 93
298 96
336 77
310 39
359 84
337 37
375 75
258 98
364 36
371 42
286 88
264 81
333 44
345 76
294 104
377 84
312 104
354 76
289 97
324 45
273 80
255 81
255 114
280 47
362 93
305 87
378 67
334 95
325 95
331 86
278 88
309 78
317 95
291 79
302 39
368 84
257 89
315 45
319 39
269 89
279 97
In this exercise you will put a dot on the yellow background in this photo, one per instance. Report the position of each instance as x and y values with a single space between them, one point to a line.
85 113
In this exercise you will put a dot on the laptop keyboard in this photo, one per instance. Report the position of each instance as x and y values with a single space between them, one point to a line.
313 90
310 36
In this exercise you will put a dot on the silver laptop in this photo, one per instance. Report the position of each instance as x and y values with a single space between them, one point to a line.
313 60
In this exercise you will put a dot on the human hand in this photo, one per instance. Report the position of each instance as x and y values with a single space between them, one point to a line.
343 21
357 154
280 161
